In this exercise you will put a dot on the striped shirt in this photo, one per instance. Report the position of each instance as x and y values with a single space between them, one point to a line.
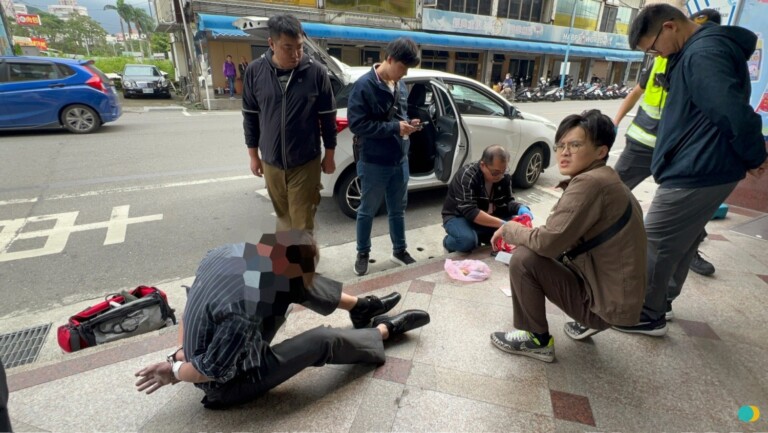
222 324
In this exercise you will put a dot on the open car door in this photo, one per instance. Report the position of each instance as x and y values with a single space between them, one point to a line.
451 140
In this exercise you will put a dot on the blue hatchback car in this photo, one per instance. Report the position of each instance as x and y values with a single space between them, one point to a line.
43 92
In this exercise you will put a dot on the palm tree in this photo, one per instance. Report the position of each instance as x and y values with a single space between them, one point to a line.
144 24
125 12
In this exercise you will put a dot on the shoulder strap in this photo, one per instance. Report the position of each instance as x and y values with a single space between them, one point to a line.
393 107
599 239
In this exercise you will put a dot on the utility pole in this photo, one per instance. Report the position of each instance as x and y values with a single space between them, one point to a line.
565 68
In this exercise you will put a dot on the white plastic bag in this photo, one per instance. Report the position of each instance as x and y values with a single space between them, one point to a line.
467 270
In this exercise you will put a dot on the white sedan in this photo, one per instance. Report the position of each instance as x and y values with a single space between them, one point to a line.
464 118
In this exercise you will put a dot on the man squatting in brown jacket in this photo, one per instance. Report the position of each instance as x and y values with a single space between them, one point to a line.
601 287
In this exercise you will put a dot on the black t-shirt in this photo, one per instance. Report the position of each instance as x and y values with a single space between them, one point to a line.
283 75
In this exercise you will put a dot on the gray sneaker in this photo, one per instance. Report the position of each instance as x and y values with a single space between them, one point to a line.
524 343
577 331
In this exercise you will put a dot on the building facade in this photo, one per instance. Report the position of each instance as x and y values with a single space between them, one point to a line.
481 39
67 8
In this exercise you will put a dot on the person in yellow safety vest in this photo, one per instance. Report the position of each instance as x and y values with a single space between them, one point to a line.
634 164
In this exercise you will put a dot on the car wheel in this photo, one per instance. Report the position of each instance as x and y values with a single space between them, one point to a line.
529 169
80 119
349 194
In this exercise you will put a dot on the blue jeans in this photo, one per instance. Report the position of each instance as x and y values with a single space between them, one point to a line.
231 84
465 236
377 182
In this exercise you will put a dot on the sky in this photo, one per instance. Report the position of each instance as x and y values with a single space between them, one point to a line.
107 19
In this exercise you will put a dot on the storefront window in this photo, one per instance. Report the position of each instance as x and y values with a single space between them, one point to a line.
525 10
467 64
475 7
586 14
432 59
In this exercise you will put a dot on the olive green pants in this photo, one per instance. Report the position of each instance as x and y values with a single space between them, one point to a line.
295 194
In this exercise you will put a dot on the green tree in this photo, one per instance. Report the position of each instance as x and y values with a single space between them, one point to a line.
125 12
161 42
84 33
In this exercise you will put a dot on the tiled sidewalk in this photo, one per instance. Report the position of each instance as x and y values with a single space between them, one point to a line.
448 377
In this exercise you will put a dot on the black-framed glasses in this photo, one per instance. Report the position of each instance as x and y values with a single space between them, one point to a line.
652 49
573 147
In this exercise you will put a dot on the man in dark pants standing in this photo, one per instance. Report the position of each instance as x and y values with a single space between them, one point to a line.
5 419
707 142
634 164
383 165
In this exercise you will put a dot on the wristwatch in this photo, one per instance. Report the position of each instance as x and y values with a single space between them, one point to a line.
176 367
171 357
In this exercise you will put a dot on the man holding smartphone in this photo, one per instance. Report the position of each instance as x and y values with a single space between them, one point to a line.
377 113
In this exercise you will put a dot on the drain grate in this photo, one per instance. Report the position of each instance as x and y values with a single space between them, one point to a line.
22 347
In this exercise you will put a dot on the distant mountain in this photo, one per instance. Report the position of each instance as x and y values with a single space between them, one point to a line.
107 19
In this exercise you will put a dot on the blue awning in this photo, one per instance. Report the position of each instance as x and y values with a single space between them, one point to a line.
220 25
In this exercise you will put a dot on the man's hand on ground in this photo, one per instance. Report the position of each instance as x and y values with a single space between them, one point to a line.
256 167
155 377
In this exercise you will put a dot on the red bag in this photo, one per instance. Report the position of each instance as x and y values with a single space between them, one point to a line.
145 310
508 248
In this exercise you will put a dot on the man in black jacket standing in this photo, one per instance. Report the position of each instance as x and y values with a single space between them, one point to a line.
479 201
288 105
709 138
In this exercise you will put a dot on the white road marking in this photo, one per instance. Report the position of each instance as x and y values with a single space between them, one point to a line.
127 189
57 237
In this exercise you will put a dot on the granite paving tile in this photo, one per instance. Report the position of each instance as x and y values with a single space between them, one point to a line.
421 286
394 370
523 393
696 329
317 399
378 407
431 411
571 407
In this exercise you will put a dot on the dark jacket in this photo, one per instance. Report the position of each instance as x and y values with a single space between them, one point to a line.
369 103
709 134
286 126
614 272
467 196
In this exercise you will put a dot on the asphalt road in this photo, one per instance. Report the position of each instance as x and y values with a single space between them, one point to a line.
141 201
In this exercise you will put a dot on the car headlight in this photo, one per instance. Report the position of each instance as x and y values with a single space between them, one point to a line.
163 82
128 84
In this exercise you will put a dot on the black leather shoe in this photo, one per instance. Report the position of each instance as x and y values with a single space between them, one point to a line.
371 306
403 322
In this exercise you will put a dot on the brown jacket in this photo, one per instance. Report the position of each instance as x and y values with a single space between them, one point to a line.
614 272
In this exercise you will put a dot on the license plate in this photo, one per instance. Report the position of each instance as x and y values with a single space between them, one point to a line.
148 90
